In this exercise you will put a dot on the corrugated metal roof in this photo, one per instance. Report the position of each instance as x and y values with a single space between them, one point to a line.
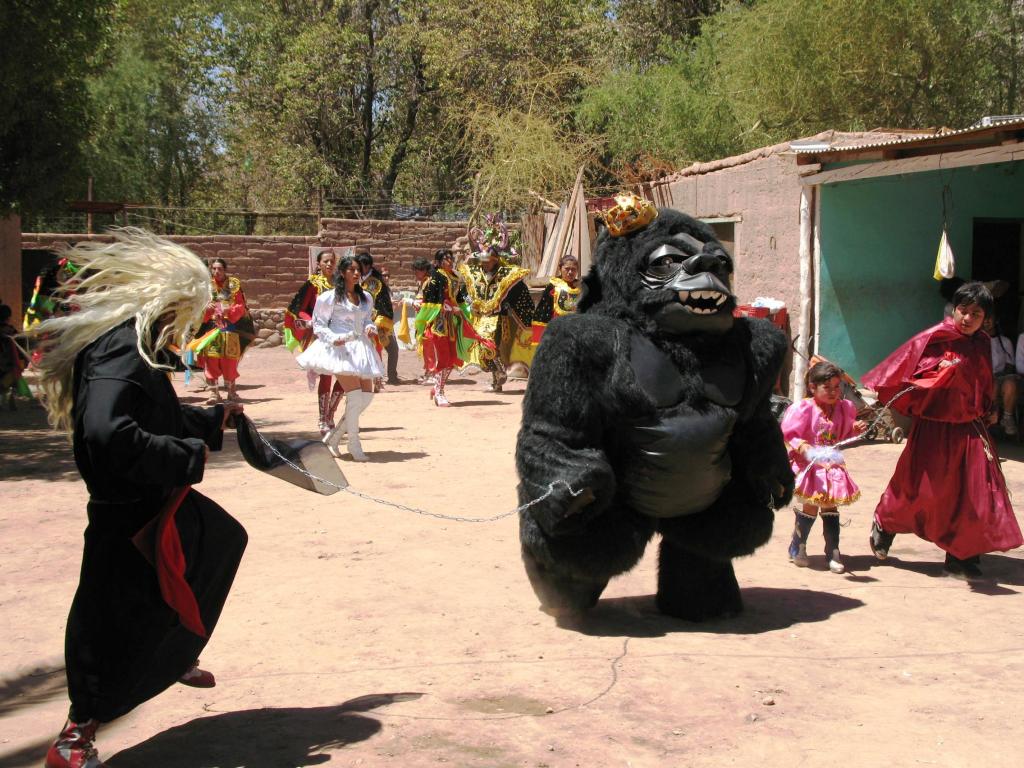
990 124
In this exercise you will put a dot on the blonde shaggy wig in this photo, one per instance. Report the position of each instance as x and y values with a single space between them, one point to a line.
138 276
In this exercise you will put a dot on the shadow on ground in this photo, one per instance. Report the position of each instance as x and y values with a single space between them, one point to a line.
383 457
766 609
30 756
31 688
1000 570
260 738
31 449
36 686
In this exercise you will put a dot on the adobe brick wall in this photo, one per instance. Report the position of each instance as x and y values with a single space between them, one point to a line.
765 193
393 243
271 268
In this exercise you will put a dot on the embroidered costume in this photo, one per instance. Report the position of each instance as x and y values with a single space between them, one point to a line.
502 312
447 338
42 305
298 334
383 309
948 487
226 331
12 363
559 299
298 319
824 484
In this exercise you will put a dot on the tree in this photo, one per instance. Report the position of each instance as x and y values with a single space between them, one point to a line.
789 69
45 61
648 32
327 96
661 119
773 70
509 74
157 119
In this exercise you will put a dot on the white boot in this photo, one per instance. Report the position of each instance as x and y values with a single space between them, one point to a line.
332 438
356 406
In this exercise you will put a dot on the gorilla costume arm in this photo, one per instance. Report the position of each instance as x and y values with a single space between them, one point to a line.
570 403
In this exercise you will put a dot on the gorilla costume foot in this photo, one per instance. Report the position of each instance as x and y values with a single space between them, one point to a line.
695 588
559 593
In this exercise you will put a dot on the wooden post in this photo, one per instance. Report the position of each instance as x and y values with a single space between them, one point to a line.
88 216
803 349
571 213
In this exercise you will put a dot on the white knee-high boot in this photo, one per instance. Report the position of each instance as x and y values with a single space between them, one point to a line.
332 438
357 405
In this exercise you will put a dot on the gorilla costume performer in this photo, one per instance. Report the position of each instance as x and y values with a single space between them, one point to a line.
648 411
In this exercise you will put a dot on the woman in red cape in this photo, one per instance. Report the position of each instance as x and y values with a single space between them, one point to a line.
948 487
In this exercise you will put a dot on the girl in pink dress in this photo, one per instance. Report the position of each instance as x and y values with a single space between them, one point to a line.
811 428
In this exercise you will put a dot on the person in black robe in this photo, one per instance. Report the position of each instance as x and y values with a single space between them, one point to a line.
159 557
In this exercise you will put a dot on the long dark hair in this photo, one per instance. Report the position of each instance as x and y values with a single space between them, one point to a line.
339 278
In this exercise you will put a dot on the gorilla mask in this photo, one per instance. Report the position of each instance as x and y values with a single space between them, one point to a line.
693 278
669 270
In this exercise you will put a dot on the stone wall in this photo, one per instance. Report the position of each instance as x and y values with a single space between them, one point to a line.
271 268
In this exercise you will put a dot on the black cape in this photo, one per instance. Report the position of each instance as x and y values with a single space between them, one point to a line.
134 443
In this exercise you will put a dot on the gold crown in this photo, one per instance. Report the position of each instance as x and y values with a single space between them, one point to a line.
631 212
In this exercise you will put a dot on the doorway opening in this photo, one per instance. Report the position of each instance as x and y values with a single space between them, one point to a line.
997 256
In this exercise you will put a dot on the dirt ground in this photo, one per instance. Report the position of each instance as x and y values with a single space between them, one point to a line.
360 633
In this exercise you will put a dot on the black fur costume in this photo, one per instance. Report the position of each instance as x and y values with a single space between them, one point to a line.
652 404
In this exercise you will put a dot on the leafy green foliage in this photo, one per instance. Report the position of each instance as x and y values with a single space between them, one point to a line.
45 110
791 68
351 106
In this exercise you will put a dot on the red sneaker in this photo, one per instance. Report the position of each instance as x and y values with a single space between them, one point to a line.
74 747
198 678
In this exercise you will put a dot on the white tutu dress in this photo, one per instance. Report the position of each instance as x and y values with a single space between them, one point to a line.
335 319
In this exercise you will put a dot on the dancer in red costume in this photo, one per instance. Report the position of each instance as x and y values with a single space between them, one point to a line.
443 325
298 324
228 327
948 487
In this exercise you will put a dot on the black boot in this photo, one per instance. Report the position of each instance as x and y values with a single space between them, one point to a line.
966 569
830 527
798 544
880 541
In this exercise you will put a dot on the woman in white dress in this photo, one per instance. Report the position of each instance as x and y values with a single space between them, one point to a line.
342 324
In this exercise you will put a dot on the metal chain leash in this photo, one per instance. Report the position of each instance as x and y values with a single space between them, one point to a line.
416 510
521 508
878 418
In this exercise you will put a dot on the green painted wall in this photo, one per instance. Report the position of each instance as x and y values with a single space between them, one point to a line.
878 241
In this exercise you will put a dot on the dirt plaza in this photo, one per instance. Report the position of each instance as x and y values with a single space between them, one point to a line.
389 628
